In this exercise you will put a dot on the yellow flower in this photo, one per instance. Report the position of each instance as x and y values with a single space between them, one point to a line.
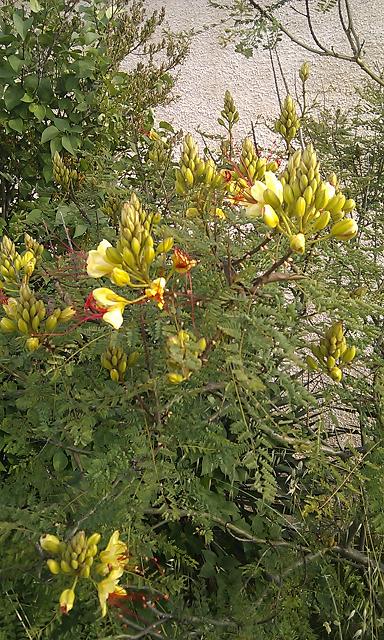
107 586
255 206
98 263
119 277
219 213
113 305
156 291
115 554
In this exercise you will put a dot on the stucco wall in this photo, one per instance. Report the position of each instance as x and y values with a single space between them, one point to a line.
210 69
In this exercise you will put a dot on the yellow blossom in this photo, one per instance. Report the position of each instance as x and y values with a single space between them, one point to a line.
113 305
98 263
255 205
67 599
115 554
156 291
107 586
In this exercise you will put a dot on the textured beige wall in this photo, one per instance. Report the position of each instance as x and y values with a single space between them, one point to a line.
210 69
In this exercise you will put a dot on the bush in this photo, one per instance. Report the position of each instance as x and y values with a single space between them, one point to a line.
215 397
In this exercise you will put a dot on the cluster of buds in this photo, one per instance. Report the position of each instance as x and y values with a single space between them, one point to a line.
251 168
64 175
73 558
184 353
332 353
129 263
288 123
80 558
26 314
300 205
198 178
116 361
229 115
112 208
18 267
159 152
304 72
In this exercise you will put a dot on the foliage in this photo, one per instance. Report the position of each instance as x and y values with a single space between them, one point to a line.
246 487
63 89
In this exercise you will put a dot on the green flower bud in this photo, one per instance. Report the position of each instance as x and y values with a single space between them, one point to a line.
32 344
336 374
270 217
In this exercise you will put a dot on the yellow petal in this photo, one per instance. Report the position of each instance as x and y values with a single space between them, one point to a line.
257 191
114 317
120 277
107 298
274 184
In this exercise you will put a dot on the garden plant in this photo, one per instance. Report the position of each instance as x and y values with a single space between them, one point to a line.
191 355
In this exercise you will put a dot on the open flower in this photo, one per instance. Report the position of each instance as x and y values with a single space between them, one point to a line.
107 586
115 554
112 306
182 262
156 291
254 201
98 263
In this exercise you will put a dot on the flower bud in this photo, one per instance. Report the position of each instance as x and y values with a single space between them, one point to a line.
297 243
322 221
50 543
164 246
349 354
312 364
50 323
270 198
345 229
7 325
67 599
53 566
336 374
304 72
270 217
32 344
93 539
175 378
120 277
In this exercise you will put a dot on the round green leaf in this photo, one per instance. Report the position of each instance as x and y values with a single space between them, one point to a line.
59 461
16 124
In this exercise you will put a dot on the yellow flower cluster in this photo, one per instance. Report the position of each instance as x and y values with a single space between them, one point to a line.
332 353
300 205
129 263
80 558
27 315
18 267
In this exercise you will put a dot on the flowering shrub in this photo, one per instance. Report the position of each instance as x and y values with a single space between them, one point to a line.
174 378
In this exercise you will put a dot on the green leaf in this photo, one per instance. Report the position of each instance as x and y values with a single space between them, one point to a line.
12 96
49 133
16 63
31 82
44 90
27 98
55 145
59 461
6 71
80 230
166 125
17 124
62 124
35 6
66 141
21 26
38 110
34 216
